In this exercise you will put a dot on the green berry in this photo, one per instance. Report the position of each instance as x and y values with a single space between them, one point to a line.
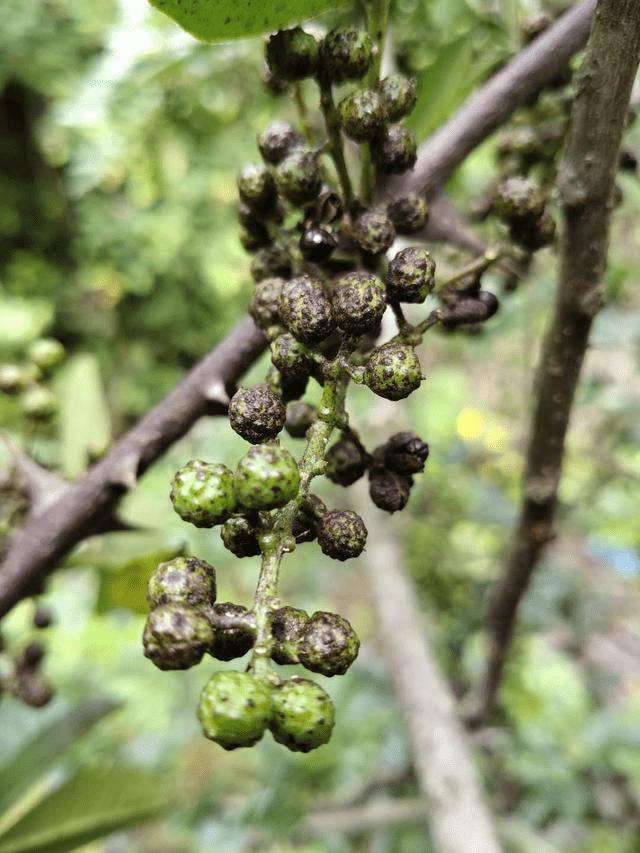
183 580
12 378
264 303
235 709
277 140
292 54
292 358
300 416
257 414
362 114
231 638
239 537
410 275
345 462
256 187
329 645
266 478
408 214
405 453
395 150
303 715
518 198
358 301
398 95
176 636
39 403
389 491
306 310
46 353
346 54
299 176
372 232
393 371
202 493
342 534
287 625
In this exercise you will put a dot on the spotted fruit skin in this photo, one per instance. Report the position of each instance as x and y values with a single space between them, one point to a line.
328 645
393 371
342 534
176 637
303 715
235 709
202 493
183 580
266 478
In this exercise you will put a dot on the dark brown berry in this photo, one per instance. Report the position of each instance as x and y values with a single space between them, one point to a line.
388 490
306 310
299 176
372 232
410 275
346 54
408 214
358 301
257 414
300 416
239 537
277 140
346 462
256 187
292 54
264 302
304 526
292 358
342 534
317 243
395 150
271 262
231 636
329 645
405 453
287 625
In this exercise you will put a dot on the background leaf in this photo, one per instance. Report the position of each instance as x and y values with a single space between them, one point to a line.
126 585
230 19
85 422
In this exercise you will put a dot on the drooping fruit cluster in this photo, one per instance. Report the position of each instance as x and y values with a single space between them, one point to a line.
323 284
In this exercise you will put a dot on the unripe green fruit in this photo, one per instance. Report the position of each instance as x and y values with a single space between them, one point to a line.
202 493
264 302
405 453
271 262
277 140
345 462
176 636
39 403
306 310
362 114
292 358
46 353
231 639
518 198
359 301
346 54
292 54
395 150
257 187
12 378
398 95
303 715
388 490
410 275
342 534
257 414
300 416
393 371
329 645
287 625
266 478
235 709
238 536
299 176
183 580
372 232
408 214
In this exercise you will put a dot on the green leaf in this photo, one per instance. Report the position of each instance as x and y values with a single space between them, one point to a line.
84 417
126 585
22 320
48 746
231 19
92 803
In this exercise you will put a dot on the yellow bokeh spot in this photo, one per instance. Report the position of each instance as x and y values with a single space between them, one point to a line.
470 424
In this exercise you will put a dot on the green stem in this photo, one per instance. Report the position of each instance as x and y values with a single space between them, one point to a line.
377 14
303 115
479 265
332 122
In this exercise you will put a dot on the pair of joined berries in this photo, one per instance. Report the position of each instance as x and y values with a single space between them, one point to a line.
521 204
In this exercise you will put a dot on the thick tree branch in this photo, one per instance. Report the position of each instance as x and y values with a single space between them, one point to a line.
36 549
458 817
586 182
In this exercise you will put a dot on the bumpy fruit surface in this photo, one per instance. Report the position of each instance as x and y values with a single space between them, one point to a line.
271 262
306 309
176 637
266 478
405 453
202 493
359 301
518 198
395 150
373 232
292 54
410 274
299 176
256 186
304 526
303 715
292 358
346 54
277 140
257 414
264 302
329 645
399 95
183 580
342 534
234 709
362 114
345 462
229 640
287 625
290 387
239 537
408 213
388 490
393 371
